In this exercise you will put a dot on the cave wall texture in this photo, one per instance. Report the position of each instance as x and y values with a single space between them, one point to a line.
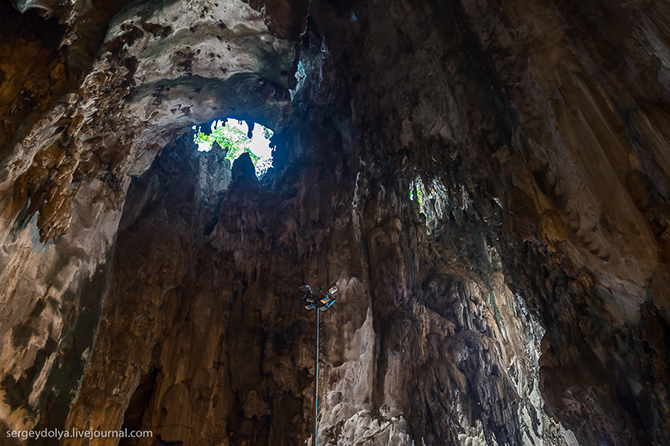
524 299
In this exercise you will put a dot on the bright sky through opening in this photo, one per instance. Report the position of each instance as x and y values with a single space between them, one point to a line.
259 145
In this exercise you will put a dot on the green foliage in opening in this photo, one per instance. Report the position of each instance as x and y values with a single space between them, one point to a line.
418 192
418 195
234 141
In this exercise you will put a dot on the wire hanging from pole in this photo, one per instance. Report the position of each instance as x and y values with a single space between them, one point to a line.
316 405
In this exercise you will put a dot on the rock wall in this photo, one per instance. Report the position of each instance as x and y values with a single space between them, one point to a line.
203 343
85 107
486 182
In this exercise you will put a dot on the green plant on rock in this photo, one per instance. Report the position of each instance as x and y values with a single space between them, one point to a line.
232 140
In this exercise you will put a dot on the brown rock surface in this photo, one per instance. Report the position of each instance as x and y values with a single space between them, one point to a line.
486 182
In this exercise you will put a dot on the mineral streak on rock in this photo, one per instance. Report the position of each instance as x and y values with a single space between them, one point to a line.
486 183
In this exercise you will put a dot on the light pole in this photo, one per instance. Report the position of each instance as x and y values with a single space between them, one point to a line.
312 301
316 391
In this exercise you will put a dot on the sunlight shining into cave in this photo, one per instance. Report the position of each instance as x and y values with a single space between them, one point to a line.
232 136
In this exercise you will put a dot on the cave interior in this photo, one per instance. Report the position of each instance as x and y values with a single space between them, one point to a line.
486 182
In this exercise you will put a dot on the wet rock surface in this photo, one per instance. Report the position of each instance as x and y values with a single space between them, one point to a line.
485 182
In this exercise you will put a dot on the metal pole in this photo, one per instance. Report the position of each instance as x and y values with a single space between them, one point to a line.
316 406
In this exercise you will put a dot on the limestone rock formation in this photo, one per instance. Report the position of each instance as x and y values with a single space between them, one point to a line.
486 183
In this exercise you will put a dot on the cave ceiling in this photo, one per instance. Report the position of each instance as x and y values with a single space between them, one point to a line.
486 182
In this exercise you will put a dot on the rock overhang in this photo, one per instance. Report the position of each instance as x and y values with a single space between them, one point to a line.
163 66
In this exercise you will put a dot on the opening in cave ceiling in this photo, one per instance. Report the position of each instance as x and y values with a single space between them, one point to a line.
234 138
